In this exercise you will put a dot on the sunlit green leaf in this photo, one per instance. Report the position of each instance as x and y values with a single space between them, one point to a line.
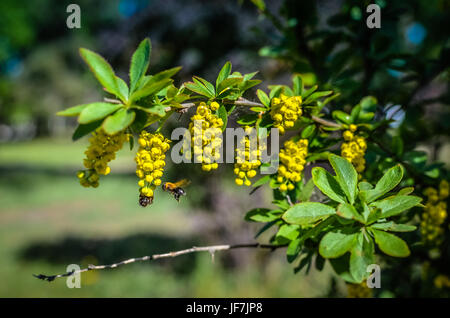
96 111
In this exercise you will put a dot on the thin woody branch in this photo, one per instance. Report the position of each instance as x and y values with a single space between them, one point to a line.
211 249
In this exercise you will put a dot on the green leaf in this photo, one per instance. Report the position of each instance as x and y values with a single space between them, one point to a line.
198 80
258 109
83 130
275 91
119 121
263 98
247 119
390 244
406 191
199 89
346 175
396 205
229 83
101 69
341 116
261 181
245 85
363 185
355 113
306 191
392 227
293 249
307 212
347 211
328 184
122 89
308 131
72 111
223 74
151 89
309 92
287 233
297 85
317 95
139 63
335 244
388 182
222 113
261 215
166 74
341 266
362 255
96 111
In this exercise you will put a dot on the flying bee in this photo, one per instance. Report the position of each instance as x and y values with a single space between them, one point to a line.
176 188
144 200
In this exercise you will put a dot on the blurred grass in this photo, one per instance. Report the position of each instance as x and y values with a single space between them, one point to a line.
42 208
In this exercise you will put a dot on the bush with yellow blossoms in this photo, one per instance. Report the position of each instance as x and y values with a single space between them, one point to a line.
327 208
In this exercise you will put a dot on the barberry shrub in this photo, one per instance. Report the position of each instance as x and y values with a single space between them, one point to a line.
350 219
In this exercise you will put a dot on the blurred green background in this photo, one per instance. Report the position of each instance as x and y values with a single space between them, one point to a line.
47 220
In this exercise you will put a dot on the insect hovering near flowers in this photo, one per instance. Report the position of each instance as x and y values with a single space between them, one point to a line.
176 188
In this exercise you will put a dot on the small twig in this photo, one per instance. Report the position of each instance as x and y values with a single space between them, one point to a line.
211 249
289 200
111 100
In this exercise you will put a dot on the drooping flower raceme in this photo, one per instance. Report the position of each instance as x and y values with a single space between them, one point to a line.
102 149
150 161
248 159
285 111
354 149
434 214
205 146
292 158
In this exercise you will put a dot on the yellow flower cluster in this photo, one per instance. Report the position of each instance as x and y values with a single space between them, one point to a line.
285 111
354 149
205 146
292 158
442 281
102 149
359 291
246 170
435 213
150 161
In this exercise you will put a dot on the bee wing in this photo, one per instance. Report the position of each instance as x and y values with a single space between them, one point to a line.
182 183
